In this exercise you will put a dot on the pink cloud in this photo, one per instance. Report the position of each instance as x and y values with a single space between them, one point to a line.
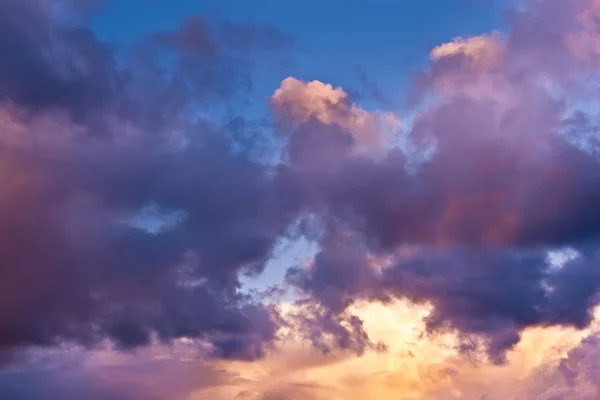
460 239
299 102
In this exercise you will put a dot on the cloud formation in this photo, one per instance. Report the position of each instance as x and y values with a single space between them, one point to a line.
500 184
299 102
546 364
81 158
128 218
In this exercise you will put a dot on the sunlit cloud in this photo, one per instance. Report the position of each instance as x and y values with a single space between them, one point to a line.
158 243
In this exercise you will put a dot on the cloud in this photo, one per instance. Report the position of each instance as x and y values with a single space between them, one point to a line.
482 51
50 65
72 372
417 366
546 363
300 102
81 158
457 218
502 186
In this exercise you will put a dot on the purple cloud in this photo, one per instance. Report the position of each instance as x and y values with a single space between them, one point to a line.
87 145
505 184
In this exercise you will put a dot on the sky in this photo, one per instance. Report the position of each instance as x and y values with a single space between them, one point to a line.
268 200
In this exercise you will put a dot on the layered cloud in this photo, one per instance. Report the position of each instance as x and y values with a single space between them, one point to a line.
128 219
547 364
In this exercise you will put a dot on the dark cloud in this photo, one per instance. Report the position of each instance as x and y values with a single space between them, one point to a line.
478 228
468 231
88 144
47 65
86 147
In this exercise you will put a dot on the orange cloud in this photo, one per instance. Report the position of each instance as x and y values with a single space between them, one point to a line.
547 362
416 366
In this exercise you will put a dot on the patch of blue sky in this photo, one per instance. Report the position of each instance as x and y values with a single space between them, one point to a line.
287 253
155 220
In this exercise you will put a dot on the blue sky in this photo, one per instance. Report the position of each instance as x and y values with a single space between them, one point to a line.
336 39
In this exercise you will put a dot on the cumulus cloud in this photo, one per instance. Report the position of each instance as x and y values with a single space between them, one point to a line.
127 220
503 187
300 102
81 157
